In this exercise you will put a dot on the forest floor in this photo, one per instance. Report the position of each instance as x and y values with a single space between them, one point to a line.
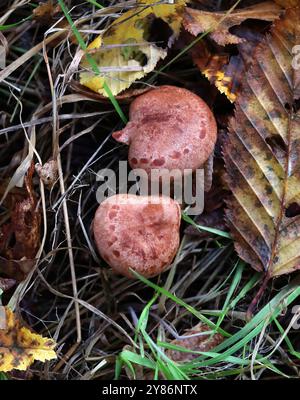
107 326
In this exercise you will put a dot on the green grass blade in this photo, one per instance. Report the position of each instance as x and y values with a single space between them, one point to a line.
135 358
10 26
205 228
94 2
235 282
181 303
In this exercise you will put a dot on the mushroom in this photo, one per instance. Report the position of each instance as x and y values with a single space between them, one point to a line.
170 128
138 232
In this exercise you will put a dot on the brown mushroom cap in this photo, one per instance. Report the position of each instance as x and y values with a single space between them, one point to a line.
170 128
132 232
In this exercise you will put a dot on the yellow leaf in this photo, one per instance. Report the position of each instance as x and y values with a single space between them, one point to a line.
126 52
19 347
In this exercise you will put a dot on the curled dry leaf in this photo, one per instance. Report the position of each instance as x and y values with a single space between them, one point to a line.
133 45
203 343
224 72
19 347
212 67
262 155
20 237
197 21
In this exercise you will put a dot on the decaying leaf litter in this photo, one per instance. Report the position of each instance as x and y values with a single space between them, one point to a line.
55 280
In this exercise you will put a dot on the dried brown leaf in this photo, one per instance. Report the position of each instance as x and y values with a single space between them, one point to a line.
225 72
197 21
203 343
20 237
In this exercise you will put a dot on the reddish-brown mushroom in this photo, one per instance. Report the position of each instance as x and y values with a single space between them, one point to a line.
170 128
137 232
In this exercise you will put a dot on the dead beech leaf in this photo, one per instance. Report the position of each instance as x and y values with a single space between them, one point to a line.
227 74
203 343
19 347
224 78
212 67
133 45
20 236
197 21
262 155
229 78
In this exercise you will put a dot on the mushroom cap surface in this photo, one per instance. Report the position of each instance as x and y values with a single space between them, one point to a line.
170 128
138 232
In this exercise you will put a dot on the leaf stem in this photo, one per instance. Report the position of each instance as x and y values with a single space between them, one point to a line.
251 308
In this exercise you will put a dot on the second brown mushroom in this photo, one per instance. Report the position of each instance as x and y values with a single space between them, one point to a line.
137 232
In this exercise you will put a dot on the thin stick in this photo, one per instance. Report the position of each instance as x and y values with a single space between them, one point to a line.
257 297
56 155
170 278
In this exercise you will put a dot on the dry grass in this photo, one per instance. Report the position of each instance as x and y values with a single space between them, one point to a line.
71 295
